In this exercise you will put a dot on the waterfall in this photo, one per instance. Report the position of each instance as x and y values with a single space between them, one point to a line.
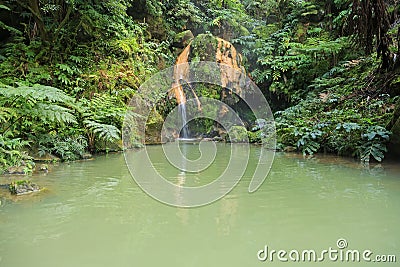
231 72
182 111
181 75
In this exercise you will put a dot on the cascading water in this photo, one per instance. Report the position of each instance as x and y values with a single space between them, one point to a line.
231 71
181 98
182 111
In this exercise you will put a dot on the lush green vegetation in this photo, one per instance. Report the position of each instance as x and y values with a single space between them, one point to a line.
67 69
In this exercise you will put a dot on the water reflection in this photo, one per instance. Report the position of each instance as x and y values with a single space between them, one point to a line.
226 218
93 214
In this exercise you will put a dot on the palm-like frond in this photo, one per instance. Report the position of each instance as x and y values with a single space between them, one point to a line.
37 92
23 104
53 113
103 131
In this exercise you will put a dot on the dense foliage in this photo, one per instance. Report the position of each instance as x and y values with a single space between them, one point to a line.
67 68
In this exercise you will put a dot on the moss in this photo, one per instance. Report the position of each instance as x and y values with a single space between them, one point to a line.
238 134
204 47
254 137
106 146
394 127
182 39
21 187
396 132
153 128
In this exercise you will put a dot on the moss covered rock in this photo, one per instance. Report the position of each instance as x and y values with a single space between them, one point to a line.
182 39
394 127
47 157
238 134
231 72
22 187
105 146
153 128
203 48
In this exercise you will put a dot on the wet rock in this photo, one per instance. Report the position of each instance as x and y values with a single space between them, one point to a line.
222 133
218 139
45 158
153 128
182 39
16 170
232 86
43 168
109 146
232 74
206 47
394 127
23 187
211 134
87 156
289 149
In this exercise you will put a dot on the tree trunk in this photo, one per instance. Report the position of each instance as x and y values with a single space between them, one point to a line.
33 7
369 21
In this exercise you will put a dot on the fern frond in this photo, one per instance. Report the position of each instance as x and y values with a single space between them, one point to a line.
37 92
6 113
51 94
53 113
37 102
103 131
105 108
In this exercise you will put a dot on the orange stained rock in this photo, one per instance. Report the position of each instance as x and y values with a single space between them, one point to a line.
230 71
181 71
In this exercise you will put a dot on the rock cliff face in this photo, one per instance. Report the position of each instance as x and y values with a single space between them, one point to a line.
394 127
206 47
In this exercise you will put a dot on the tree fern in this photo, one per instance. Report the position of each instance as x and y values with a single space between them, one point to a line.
23 105
102 118
53 113
105 108
37 92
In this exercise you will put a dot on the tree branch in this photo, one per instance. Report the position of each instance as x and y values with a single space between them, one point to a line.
33 7
63 22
